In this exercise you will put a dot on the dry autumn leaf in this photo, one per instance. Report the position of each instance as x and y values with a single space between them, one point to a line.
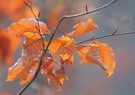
33 44
58 77
83 28
8 45
32 48
63 47
98 53
69 61
23 69
26 25
60 49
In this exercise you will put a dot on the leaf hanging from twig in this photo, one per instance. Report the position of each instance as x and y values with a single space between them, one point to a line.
98 53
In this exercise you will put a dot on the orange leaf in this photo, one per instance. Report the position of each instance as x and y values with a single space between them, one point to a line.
56 63
63 47
22 69
8 45
33 44
29 77
26 25
69 61
98 53
58 77
83 28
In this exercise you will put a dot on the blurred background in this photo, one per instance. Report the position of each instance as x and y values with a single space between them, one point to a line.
83 79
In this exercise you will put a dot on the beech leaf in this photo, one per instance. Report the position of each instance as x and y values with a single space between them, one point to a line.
56 77
83 28
33 44
63 47
98 53
26 25
23 69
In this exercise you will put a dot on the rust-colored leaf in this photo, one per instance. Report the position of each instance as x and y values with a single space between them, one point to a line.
83 28
26 25
8 45
56 77
22 69
69 61
63 47
98 53
33 44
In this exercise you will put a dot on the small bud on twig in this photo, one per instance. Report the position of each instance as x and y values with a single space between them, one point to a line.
114 32
86 7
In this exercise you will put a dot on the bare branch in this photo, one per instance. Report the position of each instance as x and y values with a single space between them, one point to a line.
42 56
106 36
89 12
80 14
53 34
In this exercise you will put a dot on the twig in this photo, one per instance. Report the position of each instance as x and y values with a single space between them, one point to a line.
42 56
82 14
106 36
53 34
76 15
89 12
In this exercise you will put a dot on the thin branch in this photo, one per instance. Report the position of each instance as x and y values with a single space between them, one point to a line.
42 56
77 15
53 34
89 12
82 14
106 36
